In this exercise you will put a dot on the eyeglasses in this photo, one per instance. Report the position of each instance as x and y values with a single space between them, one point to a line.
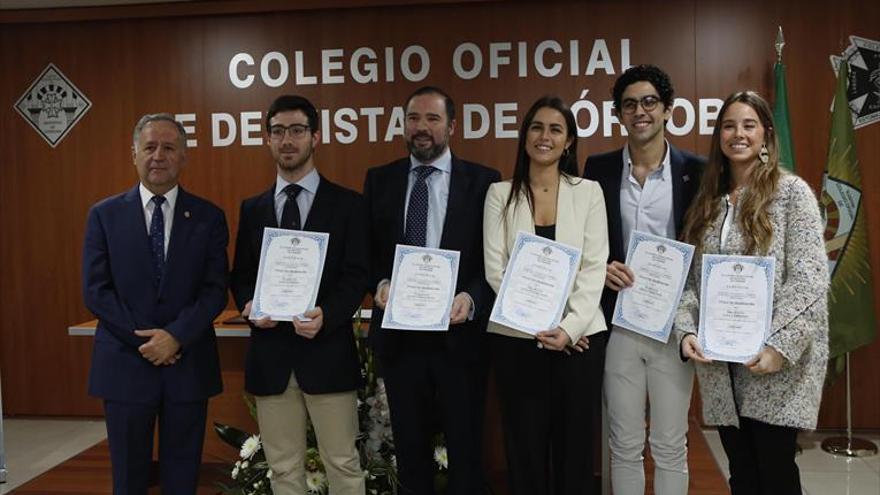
648 103
277 132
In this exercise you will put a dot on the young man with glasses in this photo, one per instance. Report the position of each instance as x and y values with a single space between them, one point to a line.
648 186
305 369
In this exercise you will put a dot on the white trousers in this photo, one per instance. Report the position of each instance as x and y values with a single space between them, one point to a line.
640 370
282 421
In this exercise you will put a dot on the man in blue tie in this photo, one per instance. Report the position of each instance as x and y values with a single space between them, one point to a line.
154 273
434 380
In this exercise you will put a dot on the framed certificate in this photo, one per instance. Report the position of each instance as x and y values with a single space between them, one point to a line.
422 289
289 275
736 306
660 267
537 281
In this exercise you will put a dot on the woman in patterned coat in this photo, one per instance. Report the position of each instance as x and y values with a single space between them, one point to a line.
747 205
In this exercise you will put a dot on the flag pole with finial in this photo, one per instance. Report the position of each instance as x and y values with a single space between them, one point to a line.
780 109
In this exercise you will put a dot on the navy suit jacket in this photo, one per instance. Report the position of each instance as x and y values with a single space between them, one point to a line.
385 192
119 288
329 362
607 170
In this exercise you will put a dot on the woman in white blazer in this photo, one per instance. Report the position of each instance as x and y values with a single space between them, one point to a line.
549 390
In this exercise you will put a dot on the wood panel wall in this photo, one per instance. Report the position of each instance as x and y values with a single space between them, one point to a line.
134 60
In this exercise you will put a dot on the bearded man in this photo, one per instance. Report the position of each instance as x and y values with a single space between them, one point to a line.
432 198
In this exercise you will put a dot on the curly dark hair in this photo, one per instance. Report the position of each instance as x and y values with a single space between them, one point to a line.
650 73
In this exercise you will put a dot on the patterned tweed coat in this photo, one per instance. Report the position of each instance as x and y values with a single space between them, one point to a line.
791 396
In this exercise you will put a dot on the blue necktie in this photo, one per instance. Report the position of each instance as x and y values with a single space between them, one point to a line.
417 211
157 238
290 214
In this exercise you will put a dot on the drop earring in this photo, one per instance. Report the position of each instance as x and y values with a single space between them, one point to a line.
764 154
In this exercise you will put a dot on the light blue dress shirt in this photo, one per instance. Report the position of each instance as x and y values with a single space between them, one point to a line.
304 200
438 195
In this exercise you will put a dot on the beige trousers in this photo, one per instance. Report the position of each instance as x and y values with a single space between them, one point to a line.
282 421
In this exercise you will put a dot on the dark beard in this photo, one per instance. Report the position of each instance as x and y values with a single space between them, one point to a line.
293 167
426 155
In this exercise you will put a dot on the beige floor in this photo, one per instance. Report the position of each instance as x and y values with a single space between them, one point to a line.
34 446
821 472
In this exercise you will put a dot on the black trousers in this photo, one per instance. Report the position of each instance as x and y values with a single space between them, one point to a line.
428 388
549 402
761 458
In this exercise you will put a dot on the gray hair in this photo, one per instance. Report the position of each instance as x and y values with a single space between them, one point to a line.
158 117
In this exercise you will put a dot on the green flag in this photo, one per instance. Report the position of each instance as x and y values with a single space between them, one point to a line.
850 303
780 117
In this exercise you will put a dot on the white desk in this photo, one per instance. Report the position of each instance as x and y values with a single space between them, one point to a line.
225 325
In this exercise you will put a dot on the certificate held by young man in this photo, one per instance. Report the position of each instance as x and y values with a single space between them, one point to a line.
289 274
660 266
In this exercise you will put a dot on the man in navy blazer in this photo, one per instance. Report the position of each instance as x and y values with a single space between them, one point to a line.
304 368
648 185
154 273
424 370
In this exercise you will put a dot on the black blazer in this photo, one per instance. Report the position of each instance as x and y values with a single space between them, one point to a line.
607 170
385 193
329 362
118 288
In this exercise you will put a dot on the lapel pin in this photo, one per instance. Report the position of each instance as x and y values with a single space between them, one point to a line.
186 214
684 178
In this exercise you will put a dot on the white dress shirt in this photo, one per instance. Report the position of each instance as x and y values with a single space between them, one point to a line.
646 208
729 218
167 210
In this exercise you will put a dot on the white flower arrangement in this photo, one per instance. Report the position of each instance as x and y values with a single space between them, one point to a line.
441 457
316 481
250 447
250 473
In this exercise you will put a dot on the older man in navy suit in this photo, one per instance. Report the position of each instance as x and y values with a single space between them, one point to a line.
154 273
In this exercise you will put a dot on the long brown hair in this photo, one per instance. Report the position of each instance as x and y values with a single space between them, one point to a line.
521 184
717 181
